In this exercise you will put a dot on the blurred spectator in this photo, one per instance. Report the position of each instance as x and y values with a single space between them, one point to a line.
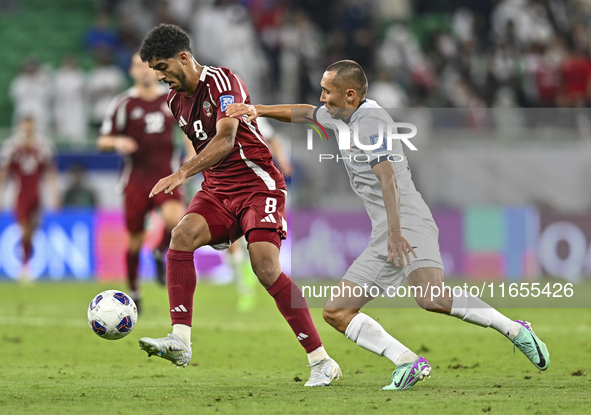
31 94
234 44
128 42
436 53
105 81
268 17
392 10
69 97
301 58
79 194
100 36
387 92
180 11
576 79
401 54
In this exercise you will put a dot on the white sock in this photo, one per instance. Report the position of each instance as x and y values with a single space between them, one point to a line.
370 335
473 310
183 331
317 355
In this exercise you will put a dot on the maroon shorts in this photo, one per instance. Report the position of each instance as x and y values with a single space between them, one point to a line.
138 205
27 208
229 216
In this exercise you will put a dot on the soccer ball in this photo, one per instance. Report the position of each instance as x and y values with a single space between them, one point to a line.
112 315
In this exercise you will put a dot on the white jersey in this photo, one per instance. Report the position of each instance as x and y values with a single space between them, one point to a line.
366 120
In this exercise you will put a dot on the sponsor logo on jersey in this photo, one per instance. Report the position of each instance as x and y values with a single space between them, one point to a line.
226 100
207 108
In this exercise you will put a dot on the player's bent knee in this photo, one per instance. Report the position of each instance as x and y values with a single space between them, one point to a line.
428 304
330 316
266 270
183 238
337 317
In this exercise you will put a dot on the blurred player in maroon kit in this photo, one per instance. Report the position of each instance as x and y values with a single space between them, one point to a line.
139 126
28 157
243 193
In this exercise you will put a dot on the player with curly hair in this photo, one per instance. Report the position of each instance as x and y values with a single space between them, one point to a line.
243 193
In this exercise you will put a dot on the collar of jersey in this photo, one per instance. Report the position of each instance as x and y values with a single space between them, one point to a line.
203 73
348 120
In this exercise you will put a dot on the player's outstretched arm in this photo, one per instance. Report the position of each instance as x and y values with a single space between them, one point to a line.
285 113
216 150
122 144
398 248
52 178
279 153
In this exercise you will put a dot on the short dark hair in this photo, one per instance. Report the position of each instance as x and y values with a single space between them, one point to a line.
349 74
164 41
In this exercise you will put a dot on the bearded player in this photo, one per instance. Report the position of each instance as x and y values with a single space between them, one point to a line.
139 126
28 157
243 193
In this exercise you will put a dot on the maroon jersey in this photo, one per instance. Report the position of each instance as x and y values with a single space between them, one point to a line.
150 123
249 165
27 164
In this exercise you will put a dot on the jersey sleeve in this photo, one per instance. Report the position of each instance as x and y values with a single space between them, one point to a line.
48 152
115 117
7 152
226 88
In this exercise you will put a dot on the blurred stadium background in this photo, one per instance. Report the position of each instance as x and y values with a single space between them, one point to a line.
499 90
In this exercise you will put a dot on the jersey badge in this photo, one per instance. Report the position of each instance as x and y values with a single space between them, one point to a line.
374 139
207 108
136 113
226 100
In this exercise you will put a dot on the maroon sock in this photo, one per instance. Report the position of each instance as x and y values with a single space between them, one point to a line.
133 262
165 241
181 280
27 250
292 304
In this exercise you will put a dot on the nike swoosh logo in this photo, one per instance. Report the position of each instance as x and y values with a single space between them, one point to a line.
410 379
540 354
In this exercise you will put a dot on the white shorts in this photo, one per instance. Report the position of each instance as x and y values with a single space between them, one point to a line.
371 268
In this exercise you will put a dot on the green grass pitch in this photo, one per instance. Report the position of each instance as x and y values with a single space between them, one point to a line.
52 363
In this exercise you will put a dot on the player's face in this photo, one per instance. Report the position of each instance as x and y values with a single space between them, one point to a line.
171 72
334 100
141 72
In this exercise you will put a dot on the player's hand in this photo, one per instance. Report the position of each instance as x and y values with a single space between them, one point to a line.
168 184
399 249
237 110
56 205
125 145
286 168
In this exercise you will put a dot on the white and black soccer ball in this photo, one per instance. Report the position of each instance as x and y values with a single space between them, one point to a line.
112 314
